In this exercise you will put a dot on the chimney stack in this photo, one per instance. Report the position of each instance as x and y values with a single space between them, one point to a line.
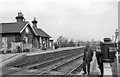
20 17
34 22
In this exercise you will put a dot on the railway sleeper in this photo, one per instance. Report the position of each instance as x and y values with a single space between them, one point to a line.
56 66
49 62
33 62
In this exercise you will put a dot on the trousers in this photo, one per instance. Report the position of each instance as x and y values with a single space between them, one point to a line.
100 63
86 66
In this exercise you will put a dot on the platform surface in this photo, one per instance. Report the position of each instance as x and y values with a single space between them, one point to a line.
95 71
6 56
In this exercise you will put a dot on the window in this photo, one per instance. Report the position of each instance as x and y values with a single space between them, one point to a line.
27 30
4 39
4 42
25 40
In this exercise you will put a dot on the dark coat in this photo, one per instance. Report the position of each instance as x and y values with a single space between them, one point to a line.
99 56
88 54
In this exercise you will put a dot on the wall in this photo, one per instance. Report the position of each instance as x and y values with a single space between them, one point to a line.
45 42
10 38
36 42
29 35
32 39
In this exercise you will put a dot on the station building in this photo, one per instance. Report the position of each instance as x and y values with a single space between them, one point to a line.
21 33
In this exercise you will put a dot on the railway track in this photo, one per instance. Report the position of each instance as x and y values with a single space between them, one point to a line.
49 62
62 65
76 70
30 59
43 63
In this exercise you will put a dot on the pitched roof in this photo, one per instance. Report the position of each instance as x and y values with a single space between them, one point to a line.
40 32
15 27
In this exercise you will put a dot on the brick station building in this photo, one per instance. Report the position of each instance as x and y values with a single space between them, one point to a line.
21 33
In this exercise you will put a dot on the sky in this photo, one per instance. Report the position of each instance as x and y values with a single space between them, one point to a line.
74 19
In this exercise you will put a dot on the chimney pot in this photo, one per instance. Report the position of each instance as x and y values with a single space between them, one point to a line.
34 22
20 17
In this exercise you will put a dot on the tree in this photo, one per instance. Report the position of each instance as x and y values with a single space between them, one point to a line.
71 43
62 42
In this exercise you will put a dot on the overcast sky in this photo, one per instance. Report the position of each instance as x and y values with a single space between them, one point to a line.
74 19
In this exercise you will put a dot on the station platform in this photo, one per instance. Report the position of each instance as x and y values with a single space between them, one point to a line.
109 69
39 51
11 57
8 58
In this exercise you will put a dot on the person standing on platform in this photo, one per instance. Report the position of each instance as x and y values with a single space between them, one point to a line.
87 58
99 61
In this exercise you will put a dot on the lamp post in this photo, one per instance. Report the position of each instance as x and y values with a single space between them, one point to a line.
116 35
117 57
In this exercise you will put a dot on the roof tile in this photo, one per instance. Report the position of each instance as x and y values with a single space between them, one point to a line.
16 27
12 27
40 32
